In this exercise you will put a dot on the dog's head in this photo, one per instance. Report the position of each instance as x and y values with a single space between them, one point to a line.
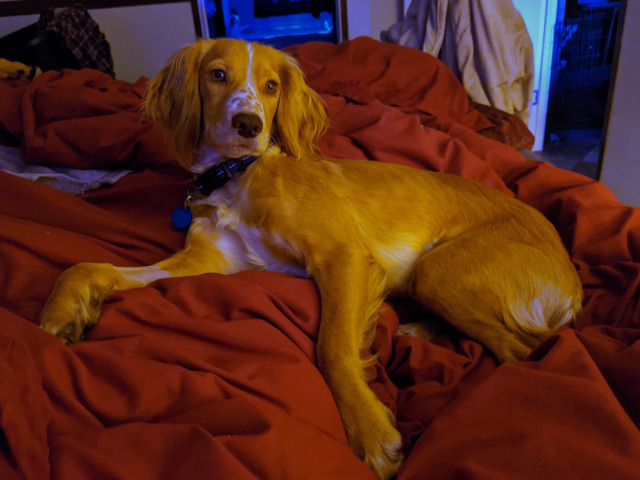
226 98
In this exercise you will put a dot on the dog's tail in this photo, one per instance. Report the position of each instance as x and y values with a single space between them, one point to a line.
545 310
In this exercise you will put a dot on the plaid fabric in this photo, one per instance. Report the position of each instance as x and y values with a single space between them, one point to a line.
81 35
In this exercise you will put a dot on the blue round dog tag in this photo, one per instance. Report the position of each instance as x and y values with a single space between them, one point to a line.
181 217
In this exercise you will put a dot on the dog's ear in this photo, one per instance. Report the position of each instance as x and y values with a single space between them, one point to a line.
173 99
301 118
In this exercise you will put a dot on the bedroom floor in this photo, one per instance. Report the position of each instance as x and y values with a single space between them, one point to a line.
576 150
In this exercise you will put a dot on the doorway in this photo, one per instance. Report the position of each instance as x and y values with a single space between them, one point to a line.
583 58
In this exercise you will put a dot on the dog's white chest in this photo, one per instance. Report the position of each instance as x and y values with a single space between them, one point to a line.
266 252
249 246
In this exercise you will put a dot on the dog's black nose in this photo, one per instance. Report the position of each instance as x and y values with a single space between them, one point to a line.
247 124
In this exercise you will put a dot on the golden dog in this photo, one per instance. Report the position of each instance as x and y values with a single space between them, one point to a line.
490 265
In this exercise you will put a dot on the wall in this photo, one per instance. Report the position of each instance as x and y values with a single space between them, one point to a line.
370 17
539 17
11 24
141 37
621 157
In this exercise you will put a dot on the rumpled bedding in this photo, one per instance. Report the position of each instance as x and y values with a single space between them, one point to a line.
214 376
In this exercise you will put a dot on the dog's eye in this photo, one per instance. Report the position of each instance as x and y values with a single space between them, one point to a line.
218 75
272 86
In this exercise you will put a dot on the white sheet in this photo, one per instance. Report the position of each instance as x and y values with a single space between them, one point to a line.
72 180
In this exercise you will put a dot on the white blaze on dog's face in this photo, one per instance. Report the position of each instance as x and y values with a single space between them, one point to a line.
240 90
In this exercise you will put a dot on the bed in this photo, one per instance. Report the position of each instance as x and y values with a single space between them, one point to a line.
214 376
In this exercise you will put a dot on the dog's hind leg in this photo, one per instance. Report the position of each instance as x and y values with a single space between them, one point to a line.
508 296
74 304
351 287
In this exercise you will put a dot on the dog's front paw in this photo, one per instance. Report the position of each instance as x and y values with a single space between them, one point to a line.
384 457
67 318
376 441
74 304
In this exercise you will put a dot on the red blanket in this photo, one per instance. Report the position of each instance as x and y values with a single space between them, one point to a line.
214 376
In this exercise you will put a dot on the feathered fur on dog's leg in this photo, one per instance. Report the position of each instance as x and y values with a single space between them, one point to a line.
510 312
351 288
74 304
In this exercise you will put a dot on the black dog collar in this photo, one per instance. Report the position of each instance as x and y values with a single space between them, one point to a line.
220 174
206 183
